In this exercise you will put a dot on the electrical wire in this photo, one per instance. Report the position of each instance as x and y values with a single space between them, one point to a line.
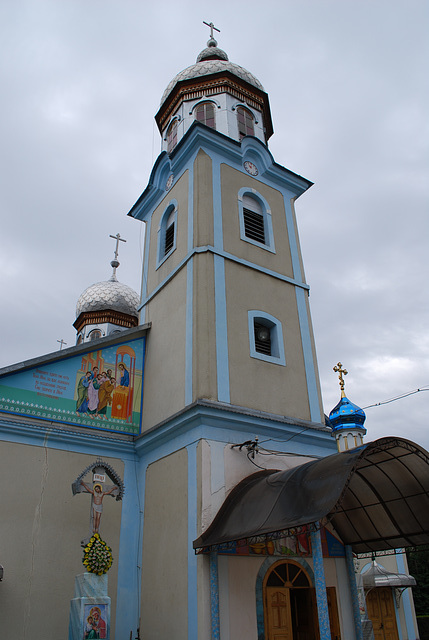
403 395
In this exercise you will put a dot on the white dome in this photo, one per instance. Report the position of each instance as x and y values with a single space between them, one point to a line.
110 294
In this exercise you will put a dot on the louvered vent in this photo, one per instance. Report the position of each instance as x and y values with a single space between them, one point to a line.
254 227
169 238
262 339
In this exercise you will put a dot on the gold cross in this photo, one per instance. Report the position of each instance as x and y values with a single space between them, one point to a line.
339 369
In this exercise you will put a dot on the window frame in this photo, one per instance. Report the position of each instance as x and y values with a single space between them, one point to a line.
248 115
172 136
276 336
204 103
268 245
170 210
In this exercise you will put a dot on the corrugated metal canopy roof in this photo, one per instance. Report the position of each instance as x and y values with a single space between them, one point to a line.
376 576
376 496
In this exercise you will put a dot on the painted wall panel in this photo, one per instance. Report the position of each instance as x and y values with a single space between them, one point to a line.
232 182
41 527
164 392
165 549
253 382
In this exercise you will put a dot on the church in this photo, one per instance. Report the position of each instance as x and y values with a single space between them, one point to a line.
229 506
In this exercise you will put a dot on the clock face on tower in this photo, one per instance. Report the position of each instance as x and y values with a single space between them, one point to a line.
251 168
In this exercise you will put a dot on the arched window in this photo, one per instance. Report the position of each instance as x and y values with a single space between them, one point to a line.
172 136
205 113
255 219
167 232
95 334
246 126
266 338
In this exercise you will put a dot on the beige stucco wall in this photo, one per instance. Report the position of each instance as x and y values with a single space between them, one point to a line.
203 200
41 527
253 382
165 549
164 384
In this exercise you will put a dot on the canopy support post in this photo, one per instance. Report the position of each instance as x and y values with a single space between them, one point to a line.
214 596
354 592
320 584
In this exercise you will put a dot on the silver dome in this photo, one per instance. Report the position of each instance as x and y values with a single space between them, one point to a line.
208 67
110 294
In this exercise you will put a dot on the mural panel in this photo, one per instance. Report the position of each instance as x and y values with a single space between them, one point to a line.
100 389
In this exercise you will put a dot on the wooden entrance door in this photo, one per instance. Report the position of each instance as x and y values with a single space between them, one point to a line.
279 613
381 611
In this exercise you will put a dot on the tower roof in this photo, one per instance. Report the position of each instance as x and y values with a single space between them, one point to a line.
211 60
110 294
346 414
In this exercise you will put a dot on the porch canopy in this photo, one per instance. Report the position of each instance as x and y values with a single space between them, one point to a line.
376 497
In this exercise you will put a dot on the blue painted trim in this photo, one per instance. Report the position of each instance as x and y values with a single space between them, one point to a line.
222 357
354 592
145 268
406 601
214 597
161 257
130 542
191 207
310 370
277 343
227 256
292 234
259 587
192 534
320 584
268 222
189 332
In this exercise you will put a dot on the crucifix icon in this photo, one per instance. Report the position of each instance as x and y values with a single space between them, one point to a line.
98 488
212 28
339 369
62 343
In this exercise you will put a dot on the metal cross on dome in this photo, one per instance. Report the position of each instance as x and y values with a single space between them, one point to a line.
339 369
115 261
212 28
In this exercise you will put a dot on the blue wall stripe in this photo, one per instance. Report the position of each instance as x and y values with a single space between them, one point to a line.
320 584
406 600
310 372
129 576
192 534
214 597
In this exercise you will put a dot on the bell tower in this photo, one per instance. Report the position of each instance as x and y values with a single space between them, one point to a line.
230 355
223 280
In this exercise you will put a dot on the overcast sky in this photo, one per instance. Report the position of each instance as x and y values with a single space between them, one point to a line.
81 81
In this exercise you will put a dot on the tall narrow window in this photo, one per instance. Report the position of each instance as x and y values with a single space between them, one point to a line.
254 227
172 136
246 125
169 233
205 113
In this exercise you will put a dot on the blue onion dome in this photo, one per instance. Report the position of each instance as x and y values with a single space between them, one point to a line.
346 415
211 60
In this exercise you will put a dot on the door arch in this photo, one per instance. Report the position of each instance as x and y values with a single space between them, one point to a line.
289 604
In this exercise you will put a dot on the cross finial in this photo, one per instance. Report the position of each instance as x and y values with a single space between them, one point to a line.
212 28
62 343
115 262
339 369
